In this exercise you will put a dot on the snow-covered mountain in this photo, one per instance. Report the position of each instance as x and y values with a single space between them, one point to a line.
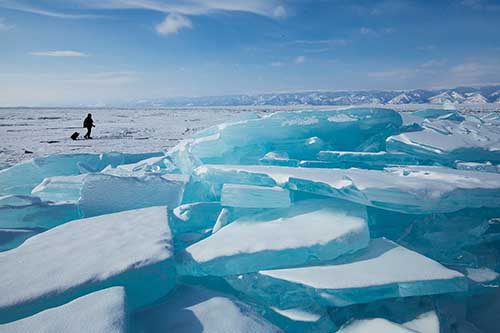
460 95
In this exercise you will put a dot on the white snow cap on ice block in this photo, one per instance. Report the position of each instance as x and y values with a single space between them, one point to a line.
376 325
425 323
99 312
309 230
81 256
195 309
411 189
382 264
382 270
251 196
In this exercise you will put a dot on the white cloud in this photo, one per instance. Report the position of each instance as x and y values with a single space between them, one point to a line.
277 64
172 24
279 11
300 59
63 53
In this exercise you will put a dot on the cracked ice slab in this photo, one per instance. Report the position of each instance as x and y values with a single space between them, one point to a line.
37 214
445 141
251 196
85 255
23 177
99 312
308 231
195 309
249 140
369 160
383 270
98 194
103 194
412 189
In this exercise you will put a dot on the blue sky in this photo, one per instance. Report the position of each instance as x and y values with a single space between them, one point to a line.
101 51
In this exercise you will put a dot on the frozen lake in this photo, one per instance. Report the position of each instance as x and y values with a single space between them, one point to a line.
34 132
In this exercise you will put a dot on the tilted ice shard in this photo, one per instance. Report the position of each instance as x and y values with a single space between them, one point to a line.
11 238
99 312
153 165
411 189
383 270
194 216
438 114
222 219
308 231
476 166
102 194
247 141
369 160
81 256
195 309
23 177
425 323
311 319
251 196
60 188
280 158
445 141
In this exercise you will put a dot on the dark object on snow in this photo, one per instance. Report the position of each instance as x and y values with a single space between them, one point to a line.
75 135
88 123
28 151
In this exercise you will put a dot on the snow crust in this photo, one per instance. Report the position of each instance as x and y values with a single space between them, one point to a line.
311 230
84 255
100 312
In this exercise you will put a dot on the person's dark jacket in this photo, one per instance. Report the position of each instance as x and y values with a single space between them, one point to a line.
88 122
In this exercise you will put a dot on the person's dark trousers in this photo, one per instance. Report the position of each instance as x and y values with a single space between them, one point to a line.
89 130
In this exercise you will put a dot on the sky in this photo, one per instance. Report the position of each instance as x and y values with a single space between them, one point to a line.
62 52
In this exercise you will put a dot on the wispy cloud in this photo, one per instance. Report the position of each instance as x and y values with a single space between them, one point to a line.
178 11
376 32
317 46
478 5
105 78
300 59
400 73
24 6
277 64
63 53
426 47
323 42
433 63
173 23
4 26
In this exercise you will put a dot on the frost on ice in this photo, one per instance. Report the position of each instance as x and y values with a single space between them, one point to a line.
355 220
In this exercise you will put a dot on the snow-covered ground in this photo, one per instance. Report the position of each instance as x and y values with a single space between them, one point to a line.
47 131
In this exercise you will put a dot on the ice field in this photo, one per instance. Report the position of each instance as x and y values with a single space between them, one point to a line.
349 220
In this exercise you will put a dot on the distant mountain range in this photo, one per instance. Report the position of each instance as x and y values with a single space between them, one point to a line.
460 95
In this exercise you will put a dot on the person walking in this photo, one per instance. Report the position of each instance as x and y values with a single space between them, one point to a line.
88 123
